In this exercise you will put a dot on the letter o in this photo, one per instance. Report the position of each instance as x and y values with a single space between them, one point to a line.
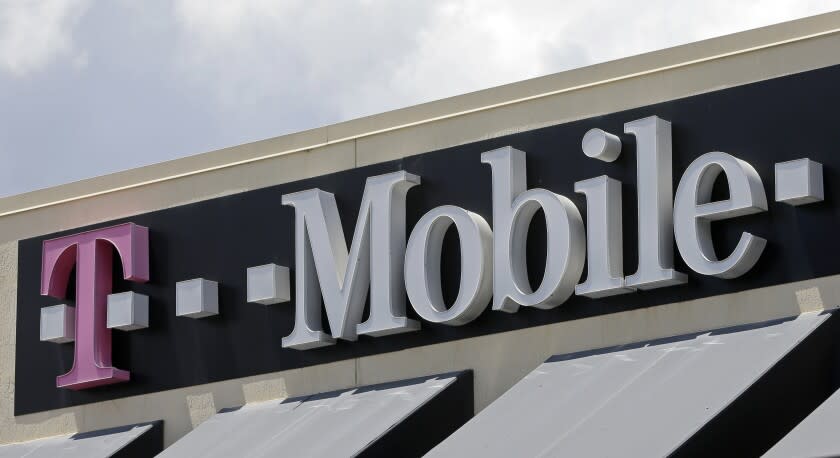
422 266
565 248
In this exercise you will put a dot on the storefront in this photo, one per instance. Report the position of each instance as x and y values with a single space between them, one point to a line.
628 259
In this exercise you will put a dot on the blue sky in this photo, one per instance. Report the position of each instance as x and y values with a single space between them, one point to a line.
92 87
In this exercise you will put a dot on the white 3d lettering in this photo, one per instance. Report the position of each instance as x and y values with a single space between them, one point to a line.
493 258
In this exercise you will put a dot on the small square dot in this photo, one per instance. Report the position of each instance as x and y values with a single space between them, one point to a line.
196 298
128 311
58 323
799 182
268 284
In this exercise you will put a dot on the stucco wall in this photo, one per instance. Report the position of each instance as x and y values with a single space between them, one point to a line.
498 360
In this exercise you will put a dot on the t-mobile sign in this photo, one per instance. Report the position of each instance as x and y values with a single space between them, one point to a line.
711 194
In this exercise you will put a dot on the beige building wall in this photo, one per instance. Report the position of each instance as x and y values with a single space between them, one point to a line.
499 360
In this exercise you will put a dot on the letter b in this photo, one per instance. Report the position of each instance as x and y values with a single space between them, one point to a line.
513 209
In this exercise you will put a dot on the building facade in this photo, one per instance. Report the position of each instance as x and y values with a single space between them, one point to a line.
527 270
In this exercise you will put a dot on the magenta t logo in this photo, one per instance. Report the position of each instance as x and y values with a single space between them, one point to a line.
90 253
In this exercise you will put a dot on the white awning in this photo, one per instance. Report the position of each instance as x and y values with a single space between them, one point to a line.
647 399
404 418
135 440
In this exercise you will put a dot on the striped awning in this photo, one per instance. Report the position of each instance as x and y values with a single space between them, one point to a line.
732 392
816 435
405 418
139 440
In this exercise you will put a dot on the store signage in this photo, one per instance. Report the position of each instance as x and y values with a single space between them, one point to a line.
560 223
379 263
90 253
493 260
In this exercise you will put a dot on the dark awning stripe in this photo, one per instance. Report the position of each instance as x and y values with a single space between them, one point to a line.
405 418
815 436
733 391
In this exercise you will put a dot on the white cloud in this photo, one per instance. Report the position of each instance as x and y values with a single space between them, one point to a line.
343 59
34 32
474 44
304 56
121 83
